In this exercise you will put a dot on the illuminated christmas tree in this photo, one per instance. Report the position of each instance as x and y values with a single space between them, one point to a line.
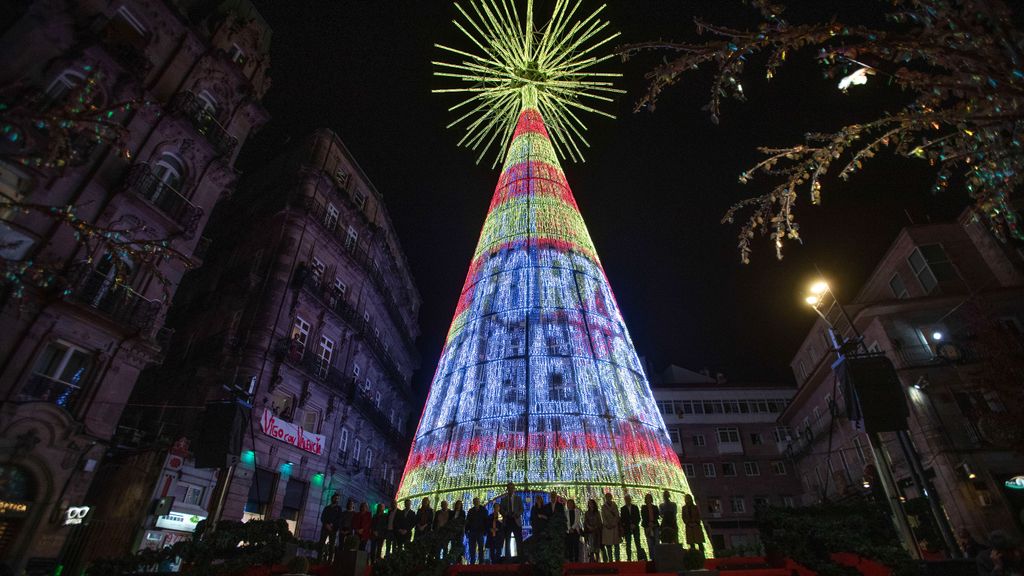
538 383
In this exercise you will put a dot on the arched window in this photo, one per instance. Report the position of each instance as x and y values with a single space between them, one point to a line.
170 169
64 83
208 102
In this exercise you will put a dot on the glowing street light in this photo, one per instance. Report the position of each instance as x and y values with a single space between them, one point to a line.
812 300
819 287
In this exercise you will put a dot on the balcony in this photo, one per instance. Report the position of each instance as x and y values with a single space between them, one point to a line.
910 357
144 183
204 123
40 388
101 292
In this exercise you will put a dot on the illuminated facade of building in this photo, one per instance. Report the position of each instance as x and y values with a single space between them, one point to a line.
538 382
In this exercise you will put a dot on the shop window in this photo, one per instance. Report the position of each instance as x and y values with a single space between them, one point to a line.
261 489
294 501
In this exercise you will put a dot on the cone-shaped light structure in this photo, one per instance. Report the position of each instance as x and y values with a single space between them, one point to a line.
538 383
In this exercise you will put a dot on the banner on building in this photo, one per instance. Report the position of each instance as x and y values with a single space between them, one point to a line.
291 433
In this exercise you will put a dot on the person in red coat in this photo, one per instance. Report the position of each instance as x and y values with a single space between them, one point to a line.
362 526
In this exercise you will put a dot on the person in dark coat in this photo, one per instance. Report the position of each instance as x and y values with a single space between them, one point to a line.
329 522
649 521
539 516
629 518
692 524
424 518
345 522
457 523
476 528
1001 558
404 524
379 531
495 533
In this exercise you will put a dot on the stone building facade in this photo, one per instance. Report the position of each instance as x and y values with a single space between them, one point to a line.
730 445
70 356
305 314
946 306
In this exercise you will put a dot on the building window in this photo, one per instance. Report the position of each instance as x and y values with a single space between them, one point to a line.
709 469
331 216
698 440
356 369
899 289
715 506
124 14
728 469
801 370
170 170
377 399
311 421
58 376
787 502
300 334
760 502
341 176
359 198
258 502
781 434
751 469
931 266
673 434
756 439
63 84
317 270
343 441
294 502
189 494
282 405
357 449
367 386
816 412
860 450
779 468
325 353
665 407
351 239
208 102
728 435
739 505
689 470
369 457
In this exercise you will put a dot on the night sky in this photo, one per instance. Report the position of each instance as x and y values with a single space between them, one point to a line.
652 190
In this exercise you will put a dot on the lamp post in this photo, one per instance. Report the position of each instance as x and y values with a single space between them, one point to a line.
814 298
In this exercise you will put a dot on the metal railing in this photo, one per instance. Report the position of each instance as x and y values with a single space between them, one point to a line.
103 293
188 105
145 183
40 388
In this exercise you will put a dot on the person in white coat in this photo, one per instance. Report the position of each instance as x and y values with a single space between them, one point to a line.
573 531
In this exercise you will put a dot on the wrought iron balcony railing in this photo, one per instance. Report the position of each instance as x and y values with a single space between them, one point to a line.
145 183
188 105
40 388
103 293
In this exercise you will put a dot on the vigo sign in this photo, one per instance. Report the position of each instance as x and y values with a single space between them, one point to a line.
75 515
290 433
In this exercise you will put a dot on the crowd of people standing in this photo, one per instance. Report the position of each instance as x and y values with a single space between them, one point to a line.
492 531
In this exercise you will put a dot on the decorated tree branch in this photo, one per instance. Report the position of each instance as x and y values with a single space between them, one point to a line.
959 64
54 131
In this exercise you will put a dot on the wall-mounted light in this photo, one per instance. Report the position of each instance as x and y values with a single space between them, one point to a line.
937 336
